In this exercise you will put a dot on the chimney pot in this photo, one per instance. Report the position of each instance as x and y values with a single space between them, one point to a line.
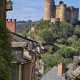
61 69
6 19
10 19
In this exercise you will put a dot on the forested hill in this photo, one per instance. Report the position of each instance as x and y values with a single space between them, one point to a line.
61 41
23 25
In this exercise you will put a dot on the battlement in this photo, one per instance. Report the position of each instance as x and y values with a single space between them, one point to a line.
11 20
47 1
61 2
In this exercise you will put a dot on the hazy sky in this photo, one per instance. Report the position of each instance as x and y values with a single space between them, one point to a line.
33 9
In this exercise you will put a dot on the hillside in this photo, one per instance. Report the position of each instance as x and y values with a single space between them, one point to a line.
61 41
23 25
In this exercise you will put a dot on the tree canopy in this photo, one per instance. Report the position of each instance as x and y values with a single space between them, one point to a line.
5 53
61 41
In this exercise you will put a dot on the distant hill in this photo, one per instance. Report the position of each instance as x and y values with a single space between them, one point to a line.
23 25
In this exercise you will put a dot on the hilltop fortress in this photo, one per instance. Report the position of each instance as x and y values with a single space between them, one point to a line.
60 12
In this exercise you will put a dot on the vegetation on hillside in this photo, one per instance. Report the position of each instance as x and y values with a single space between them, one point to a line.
23 25
60 40
5 53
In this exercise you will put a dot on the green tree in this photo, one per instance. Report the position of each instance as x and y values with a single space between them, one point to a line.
67 52
47 36
63 30
72 40
66 29
5 53
77 31
48 60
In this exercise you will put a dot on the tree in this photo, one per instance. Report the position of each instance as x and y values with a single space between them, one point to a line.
47 36
67 52
72 40
48 59
77 31
5 53
66 29
63 30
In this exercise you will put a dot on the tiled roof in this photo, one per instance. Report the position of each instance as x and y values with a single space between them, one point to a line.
19 38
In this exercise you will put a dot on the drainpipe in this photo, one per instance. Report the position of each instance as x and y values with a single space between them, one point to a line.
20 72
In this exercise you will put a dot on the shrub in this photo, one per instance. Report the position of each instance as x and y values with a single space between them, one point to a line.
5 53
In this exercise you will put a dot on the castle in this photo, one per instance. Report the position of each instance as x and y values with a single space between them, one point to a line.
60 12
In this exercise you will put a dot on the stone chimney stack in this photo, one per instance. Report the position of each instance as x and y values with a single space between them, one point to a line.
11 25
61 69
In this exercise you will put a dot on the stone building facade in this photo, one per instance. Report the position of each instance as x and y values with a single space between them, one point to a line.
60 12
24 58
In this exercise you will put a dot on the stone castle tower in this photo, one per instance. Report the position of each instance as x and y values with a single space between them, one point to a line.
60 12
48 9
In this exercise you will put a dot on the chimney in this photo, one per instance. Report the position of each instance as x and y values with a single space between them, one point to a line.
11 25
10 19
61 69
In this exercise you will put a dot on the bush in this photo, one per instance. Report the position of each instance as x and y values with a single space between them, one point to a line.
47 36
72 40
5 53
67 52
77 31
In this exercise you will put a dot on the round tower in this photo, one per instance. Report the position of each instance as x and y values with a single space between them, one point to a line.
47 9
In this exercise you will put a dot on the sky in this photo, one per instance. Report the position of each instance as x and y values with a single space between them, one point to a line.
33 9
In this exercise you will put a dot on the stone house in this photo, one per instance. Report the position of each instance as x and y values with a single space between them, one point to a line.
24 57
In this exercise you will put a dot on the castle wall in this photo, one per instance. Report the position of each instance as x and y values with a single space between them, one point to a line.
75 14
72 14
57 11
61 11
68 15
